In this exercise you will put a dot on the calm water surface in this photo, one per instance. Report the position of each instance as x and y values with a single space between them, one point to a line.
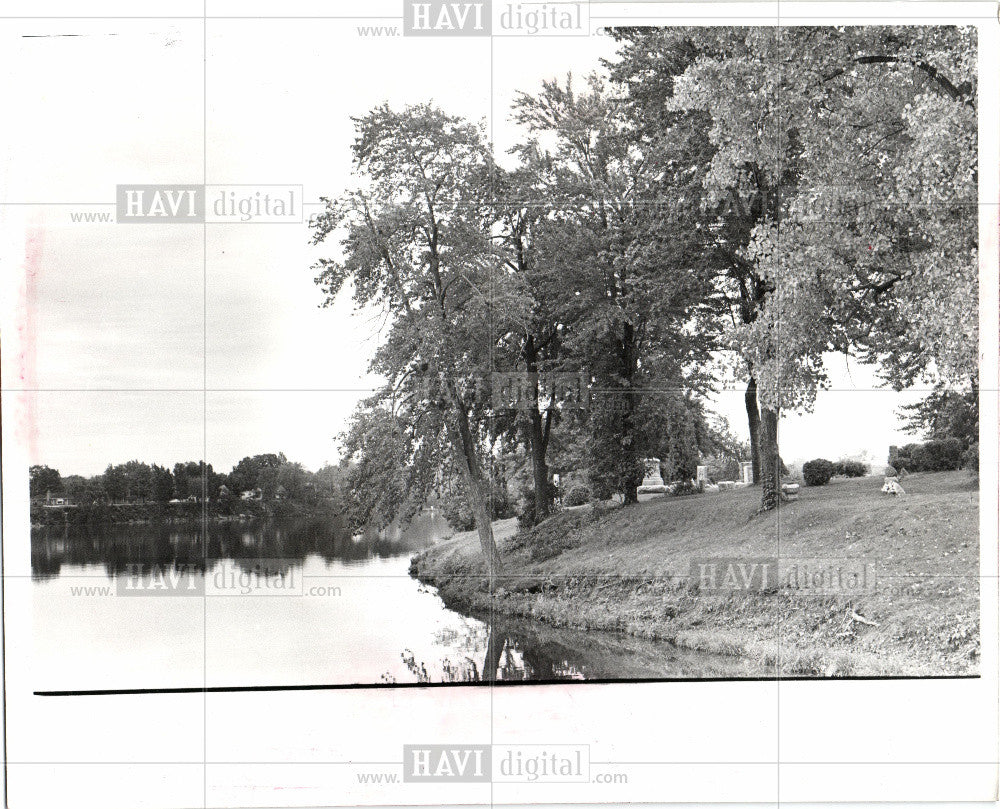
356 616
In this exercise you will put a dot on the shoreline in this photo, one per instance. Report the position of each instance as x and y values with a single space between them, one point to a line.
192 514
626 571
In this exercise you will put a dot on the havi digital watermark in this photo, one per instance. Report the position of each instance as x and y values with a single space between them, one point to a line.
501 763
804 576
211 204
435 18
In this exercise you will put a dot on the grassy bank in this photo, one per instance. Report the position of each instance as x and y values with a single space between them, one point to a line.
628 570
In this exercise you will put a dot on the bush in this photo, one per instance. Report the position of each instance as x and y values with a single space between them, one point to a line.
890 472
920 459
944 454
501 505
851 469
458 514
577 496
932 456
685 487
817 472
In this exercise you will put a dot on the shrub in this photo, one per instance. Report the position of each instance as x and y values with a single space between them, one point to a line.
685 487
817 472
458 514
932 456
944 454
601 488
890 472
851 469
920 459
501 505
577 496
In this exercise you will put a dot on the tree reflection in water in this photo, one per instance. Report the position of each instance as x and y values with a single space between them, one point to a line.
130 548
518 649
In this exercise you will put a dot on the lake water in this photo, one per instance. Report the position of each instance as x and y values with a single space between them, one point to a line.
342 610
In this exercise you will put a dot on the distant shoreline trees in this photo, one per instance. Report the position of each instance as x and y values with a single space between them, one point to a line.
259 483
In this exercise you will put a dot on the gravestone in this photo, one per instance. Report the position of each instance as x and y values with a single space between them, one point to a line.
653 477
746 470
652 483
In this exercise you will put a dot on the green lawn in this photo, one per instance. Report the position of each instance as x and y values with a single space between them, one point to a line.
628 571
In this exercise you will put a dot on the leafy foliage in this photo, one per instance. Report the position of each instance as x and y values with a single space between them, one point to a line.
136 483
946 413
839 188
851 469
43 479
818 472
931 456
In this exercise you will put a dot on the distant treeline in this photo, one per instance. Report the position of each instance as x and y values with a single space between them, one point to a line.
259 485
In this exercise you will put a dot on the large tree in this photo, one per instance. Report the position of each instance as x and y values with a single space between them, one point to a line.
841 182
633 281
42 480
530 239
414 244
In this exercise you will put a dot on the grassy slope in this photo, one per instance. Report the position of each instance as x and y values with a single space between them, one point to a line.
627 571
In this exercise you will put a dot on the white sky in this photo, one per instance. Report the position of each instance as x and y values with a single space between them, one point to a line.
116 315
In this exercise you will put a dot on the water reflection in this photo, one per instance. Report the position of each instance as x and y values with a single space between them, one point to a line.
512 649
359 618
121 549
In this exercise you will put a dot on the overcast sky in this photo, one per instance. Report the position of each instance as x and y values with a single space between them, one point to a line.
125 325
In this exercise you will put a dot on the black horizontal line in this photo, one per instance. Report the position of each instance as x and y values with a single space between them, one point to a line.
375 389
230 689
358 763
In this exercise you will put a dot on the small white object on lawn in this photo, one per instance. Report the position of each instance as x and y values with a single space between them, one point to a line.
892 486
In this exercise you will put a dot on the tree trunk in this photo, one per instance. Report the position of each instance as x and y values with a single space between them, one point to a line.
495 643
769 461
630 486
481 512
537 438
473 475
753 419
539 467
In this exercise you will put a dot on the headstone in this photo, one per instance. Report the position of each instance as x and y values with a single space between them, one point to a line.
726 485
653 477
652 483
702 476
746 470
790 490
